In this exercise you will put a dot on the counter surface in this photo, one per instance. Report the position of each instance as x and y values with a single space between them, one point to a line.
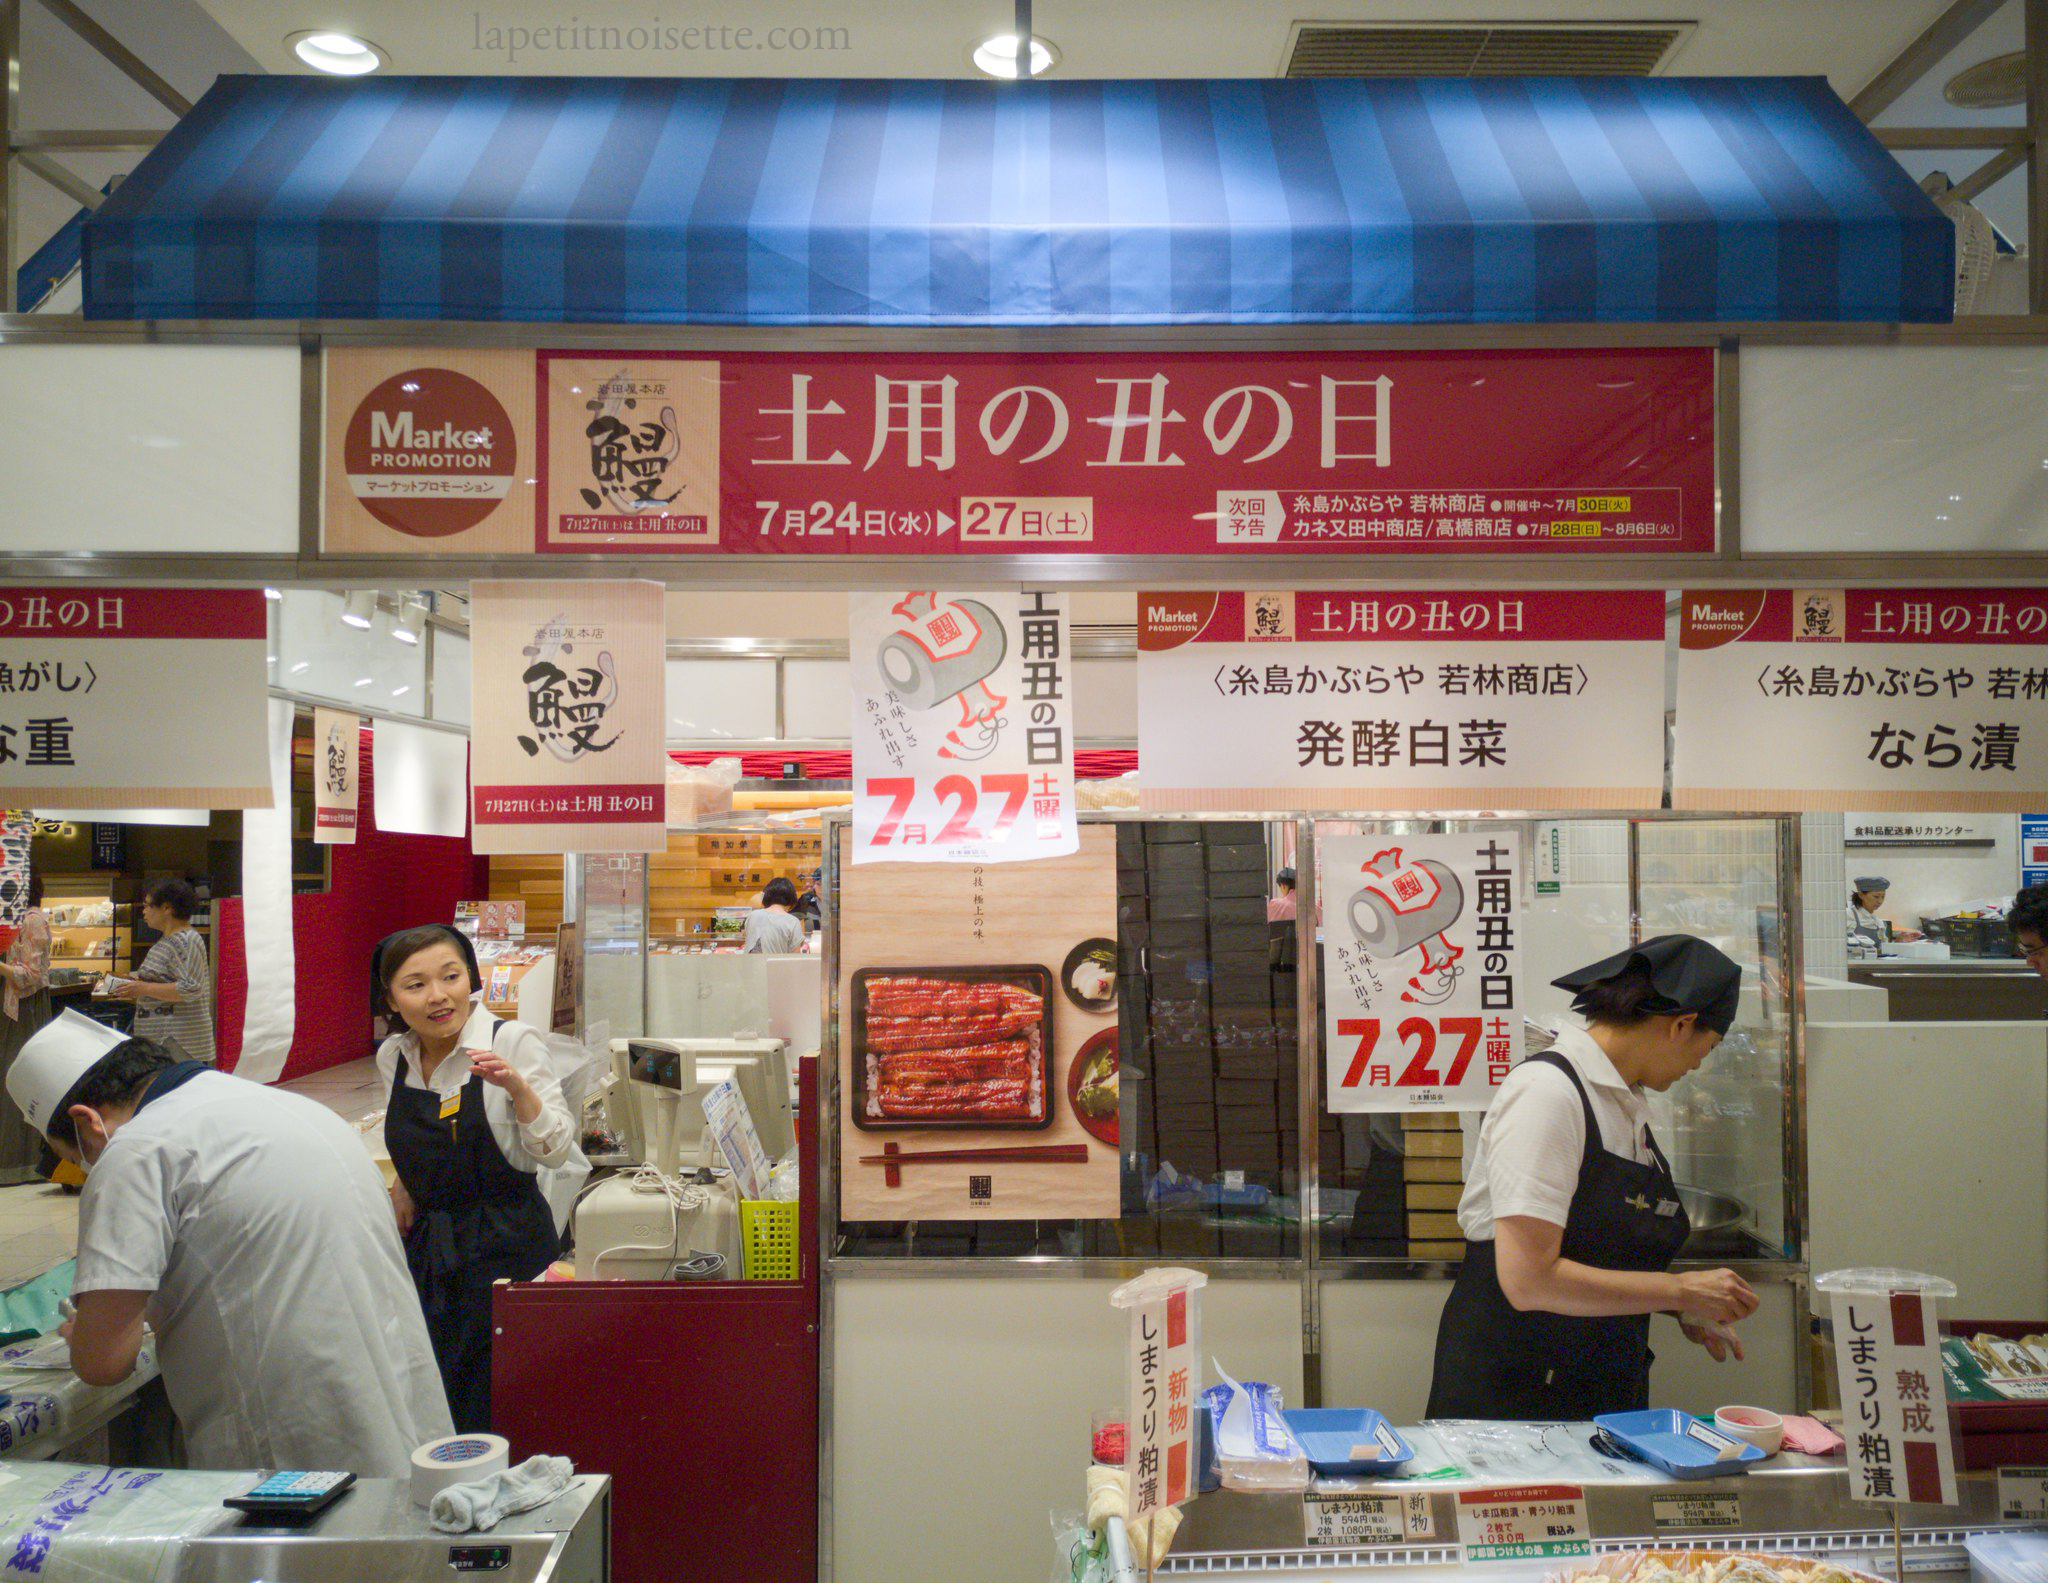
45 1410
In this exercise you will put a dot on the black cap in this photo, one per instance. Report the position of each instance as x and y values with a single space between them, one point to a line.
1686 974
1284 877
379 1006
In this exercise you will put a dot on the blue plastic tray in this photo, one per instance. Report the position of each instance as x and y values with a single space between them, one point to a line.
1333 1437
1677 1442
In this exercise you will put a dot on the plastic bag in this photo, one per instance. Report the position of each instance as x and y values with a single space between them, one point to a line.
1254 1447
1079 1554
697 792
783 1187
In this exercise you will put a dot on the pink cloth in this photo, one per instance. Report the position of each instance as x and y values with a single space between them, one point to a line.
1811 1436
1280 909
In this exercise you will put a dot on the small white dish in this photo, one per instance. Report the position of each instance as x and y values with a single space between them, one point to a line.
1757 1426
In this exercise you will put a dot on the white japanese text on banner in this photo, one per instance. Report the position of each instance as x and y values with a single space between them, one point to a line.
1344 701
963 743
1899 698
1423 1005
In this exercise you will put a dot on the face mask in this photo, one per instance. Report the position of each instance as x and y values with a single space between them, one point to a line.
90 1153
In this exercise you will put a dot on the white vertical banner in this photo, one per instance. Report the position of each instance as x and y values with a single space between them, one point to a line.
1163 1365
963 743
421 785
1423 1004
337 747
270 957
1894 1398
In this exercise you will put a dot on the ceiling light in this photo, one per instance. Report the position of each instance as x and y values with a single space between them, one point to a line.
359 610
364 681
997 57
338 54
400 692
273 593
411 622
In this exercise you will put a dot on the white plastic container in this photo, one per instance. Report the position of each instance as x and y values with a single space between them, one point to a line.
2015 1557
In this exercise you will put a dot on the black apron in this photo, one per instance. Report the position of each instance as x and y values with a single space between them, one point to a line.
479 1219
1495 1362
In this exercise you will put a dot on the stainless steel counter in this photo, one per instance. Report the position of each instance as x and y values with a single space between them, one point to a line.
1792 1505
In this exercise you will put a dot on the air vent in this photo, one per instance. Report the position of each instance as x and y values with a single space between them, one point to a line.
1990 84
1337 49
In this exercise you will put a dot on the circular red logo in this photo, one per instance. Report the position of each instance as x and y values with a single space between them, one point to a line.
430 452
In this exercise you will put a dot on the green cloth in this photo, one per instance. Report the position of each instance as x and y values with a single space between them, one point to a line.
31 1308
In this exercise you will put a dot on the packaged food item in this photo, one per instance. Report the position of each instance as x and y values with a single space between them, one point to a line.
1706 1566
697 792
1255 1449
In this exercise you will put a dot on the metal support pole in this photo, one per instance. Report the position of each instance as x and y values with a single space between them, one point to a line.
10 118
1023 40
2037 165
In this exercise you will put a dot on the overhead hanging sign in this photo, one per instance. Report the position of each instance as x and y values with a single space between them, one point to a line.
963 741
133 697
563 451
1898 698
337 752
1423 1004
1349 701
568 687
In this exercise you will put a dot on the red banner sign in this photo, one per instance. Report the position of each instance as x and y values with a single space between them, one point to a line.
1306 453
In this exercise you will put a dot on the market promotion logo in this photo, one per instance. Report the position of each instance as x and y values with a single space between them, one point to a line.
1166 621
430 452
1718 616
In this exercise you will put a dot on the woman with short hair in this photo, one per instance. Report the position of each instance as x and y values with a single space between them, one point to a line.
173 989
773 927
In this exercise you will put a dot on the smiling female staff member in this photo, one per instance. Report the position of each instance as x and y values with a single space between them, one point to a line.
1571 1216
475 1113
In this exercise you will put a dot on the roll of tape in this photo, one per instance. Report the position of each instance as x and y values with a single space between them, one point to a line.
456 1459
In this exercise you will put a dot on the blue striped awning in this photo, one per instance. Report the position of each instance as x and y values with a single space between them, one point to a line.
702 201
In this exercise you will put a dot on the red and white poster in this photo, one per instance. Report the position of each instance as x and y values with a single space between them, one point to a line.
1554 452
1423 951
337 762
1895 1401
500 920
1371 700
568 688
1163 1371
133 697
963 741
1897 698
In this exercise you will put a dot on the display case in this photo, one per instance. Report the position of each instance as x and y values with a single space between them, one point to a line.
90 934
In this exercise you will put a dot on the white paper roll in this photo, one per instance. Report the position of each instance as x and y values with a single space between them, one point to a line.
456 1459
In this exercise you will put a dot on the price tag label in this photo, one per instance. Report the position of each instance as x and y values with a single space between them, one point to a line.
1350 1521
2023 1494
2021 1390
1528 1522
1385 1446
1725 1447
1688 1512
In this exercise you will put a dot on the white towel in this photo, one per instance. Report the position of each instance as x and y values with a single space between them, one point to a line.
482 1504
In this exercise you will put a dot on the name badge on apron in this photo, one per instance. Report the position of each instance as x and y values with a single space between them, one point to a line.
1667 1207
451 1105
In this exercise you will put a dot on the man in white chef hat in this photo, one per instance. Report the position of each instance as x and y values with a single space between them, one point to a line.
250 1229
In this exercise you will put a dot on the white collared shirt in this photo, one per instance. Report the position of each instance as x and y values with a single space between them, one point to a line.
545 1144
1534 1138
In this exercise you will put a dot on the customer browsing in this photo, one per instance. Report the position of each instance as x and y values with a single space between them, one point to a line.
248 1227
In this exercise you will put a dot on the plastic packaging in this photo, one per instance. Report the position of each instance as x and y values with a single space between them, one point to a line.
697 792
2008 1557
1255 1450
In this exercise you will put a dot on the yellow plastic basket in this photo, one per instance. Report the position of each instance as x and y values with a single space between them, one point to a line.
768 1233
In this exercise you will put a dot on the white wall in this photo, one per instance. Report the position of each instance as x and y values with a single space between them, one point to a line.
1932 882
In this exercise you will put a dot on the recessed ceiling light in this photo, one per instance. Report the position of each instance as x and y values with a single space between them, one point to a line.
338 54
997 57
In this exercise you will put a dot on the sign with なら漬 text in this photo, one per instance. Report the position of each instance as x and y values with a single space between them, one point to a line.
337 753
963 742
568 689
1894 1405
1900 699
1422 1002
1348 701
1559 453
86 675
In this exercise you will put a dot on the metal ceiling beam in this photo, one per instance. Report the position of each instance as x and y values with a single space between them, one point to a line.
119 56
1947 136
1944 33
126 141
10 110
1992 171
72 185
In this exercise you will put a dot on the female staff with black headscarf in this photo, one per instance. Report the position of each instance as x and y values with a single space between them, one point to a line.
475 1114
1571 1216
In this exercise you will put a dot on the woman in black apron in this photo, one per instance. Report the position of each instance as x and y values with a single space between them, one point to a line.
469 1216
1551 1322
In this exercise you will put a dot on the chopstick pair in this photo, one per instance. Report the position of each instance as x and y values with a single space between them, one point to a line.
893 1158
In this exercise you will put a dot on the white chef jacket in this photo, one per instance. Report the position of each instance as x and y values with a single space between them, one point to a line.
1534 1138
289 1334
548 1141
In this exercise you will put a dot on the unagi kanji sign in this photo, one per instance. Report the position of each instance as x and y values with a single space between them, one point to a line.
1384 699
1899 699
1523 451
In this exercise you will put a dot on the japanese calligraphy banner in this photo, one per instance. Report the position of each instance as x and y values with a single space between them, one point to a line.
1894 1402
133 697
1422 999
963 741
1349 701
1524 451
568 695
337 753
1163 1371
1899 699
